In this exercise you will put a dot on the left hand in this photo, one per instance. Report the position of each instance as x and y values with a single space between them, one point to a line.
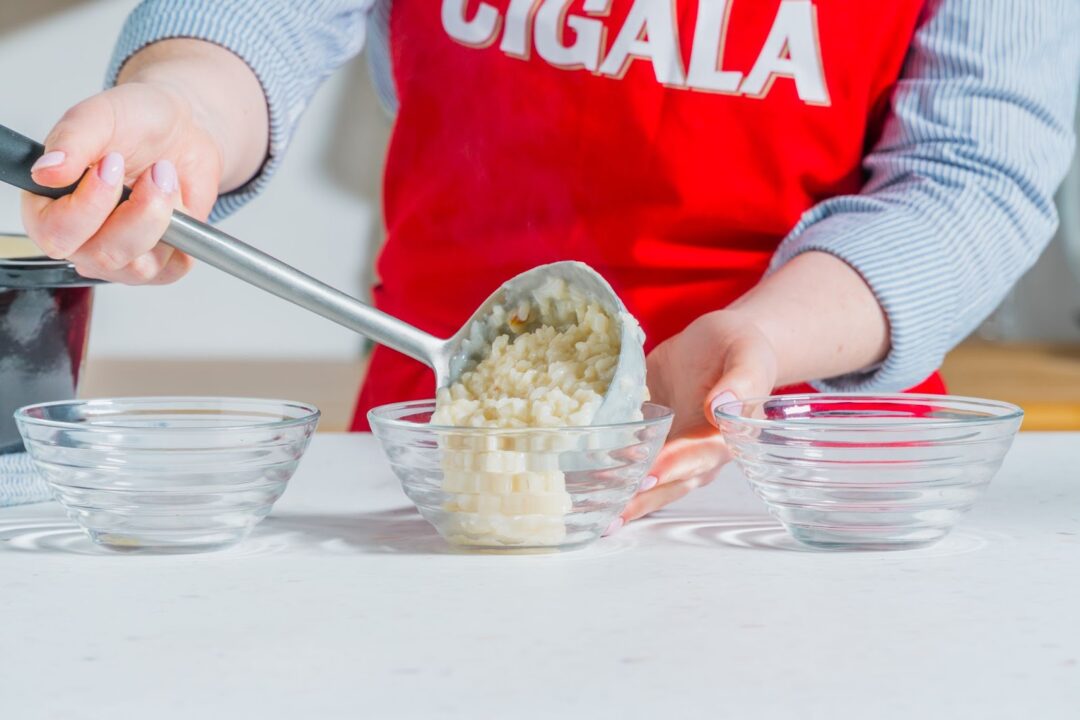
720 357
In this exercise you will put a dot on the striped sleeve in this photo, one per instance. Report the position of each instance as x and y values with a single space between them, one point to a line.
291 47
959 197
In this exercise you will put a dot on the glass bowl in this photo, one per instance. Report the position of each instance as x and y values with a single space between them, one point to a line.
522 489
169 474
869 472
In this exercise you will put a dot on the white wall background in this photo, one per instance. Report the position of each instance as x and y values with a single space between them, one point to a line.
322 213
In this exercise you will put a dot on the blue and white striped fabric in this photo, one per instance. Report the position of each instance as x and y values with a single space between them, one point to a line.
960 197
20 483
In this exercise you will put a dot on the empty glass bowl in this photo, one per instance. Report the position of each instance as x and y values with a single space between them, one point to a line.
871 472
528 489
167 474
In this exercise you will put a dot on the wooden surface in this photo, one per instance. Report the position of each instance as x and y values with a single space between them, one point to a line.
331 386
1043 379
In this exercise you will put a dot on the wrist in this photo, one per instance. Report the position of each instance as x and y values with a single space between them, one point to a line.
820 316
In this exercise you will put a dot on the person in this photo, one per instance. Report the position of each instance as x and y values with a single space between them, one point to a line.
782 191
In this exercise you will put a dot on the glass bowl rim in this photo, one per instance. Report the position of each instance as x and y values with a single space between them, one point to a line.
1013 412
310 413
377 415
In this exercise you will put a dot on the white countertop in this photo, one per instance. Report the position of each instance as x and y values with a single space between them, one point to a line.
344 603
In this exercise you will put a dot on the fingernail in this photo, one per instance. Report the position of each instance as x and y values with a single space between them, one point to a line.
164 175
49 159
614 527
734 407
111 169
648 483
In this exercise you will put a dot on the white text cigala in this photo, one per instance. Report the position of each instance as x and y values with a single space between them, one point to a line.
579 40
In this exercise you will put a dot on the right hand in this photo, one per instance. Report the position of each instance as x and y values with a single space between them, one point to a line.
143 134
721 357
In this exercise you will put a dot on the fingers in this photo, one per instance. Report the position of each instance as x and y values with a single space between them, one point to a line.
134 125
684 458
681 466
177 266
199 185
82 135
125 249
60 227
160 266
653 500
745 376
107 241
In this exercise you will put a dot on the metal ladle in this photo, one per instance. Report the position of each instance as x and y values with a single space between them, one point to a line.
449 358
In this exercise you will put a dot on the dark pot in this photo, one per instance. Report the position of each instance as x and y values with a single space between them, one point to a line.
44 327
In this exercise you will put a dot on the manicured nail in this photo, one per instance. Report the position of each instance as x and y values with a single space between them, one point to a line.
648 483
49 159
164 175
111 169
734 407
614 527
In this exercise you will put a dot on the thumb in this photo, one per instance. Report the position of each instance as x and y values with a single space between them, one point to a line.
750 371
81 138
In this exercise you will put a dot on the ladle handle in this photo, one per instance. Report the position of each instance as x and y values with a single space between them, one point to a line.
226 253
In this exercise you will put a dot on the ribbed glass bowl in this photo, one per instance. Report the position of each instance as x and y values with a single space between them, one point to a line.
869 472
169 474
514 490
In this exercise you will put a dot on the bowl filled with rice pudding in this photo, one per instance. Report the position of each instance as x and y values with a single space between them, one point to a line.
508 457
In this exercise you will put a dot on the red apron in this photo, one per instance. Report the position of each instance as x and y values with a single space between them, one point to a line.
669 144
